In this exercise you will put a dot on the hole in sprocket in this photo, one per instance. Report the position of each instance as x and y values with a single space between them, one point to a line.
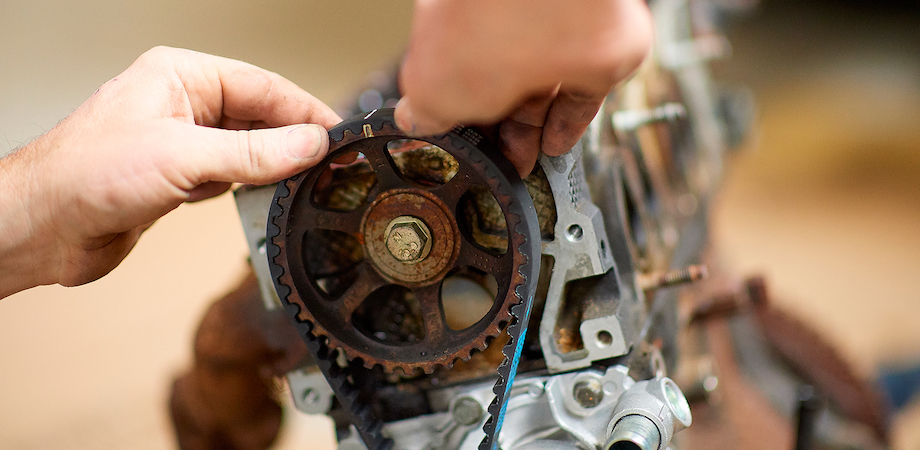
422 163
330 257
467 295
390 315
481 219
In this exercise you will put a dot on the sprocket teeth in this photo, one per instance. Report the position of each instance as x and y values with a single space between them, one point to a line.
327 347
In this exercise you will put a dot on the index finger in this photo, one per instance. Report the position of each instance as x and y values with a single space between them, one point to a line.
220 88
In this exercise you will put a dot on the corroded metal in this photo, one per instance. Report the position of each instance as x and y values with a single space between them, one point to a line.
326 321
390 198
435 216
408 239
228 399
820 363
670 278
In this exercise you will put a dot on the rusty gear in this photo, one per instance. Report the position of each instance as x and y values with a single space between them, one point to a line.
330 314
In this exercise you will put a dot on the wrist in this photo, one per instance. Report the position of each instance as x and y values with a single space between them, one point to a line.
27 246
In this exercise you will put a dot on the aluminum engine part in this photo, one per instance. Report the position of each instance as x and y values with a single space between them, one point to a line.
577 387
253 203
658 401
580 249
687 55
310 392
547 412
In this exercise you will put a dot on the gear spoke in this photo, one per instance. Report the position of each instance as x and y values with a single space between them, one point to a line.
488 262
380 160
312 218
368 281
429 299
451 192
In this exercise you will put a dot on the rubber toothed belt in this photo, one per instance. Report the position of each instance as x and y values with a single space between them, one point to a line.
324 322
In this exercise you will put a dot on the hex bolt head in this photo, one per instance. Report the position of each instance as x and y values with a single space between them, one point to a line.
466 411
408 239
588 392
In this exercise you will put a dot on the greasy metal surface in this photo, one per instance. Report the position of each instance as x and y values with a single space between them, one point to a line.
294 213
542 414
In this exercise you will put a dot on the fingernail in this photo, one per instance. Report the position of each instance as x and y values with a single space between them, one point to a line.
305 141
404 118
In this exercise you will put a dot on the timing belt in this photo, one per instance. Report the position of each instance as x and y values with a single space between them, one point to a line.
346 381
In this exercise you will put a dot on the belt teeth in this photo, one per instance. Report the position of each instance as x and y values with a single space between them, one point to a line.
351 382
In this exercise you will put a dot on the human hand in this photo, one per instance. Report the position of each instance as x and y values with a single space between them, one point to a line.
541 68
76 200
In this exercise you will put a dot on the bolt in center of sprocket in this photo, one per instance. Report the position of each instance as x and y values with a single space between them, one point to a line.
377 227
339 316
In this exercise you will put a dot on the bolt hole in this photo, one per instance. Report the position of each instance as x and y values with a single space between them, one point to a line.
604 338
422 162
624 445
467 295
677 401
574 232
588 393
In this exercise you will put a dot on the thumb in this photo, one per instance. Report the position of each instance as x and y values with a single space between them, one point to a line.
255 156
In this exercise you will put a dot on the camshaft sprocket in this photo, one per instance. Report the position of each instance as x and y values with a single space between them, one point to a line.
435 215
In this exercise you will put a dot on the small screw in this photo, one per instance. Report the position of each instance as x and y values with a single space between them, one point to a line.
310 396
633 119
536 390
675 277
588 393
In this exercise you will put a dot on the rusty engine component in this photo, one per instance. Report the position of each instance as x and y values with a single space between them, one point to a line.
229 399
759 361
367 251
398 204
811 357
411 238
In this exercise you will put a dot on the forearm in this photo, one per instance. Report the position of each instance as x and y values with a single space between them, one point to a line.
27 254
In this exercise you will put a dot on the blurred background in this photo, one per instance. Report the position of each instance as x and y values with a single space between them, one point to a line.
824 199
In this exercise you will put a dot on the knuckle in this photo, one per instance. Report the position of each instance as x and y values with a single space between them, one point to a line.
156 53
249 157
